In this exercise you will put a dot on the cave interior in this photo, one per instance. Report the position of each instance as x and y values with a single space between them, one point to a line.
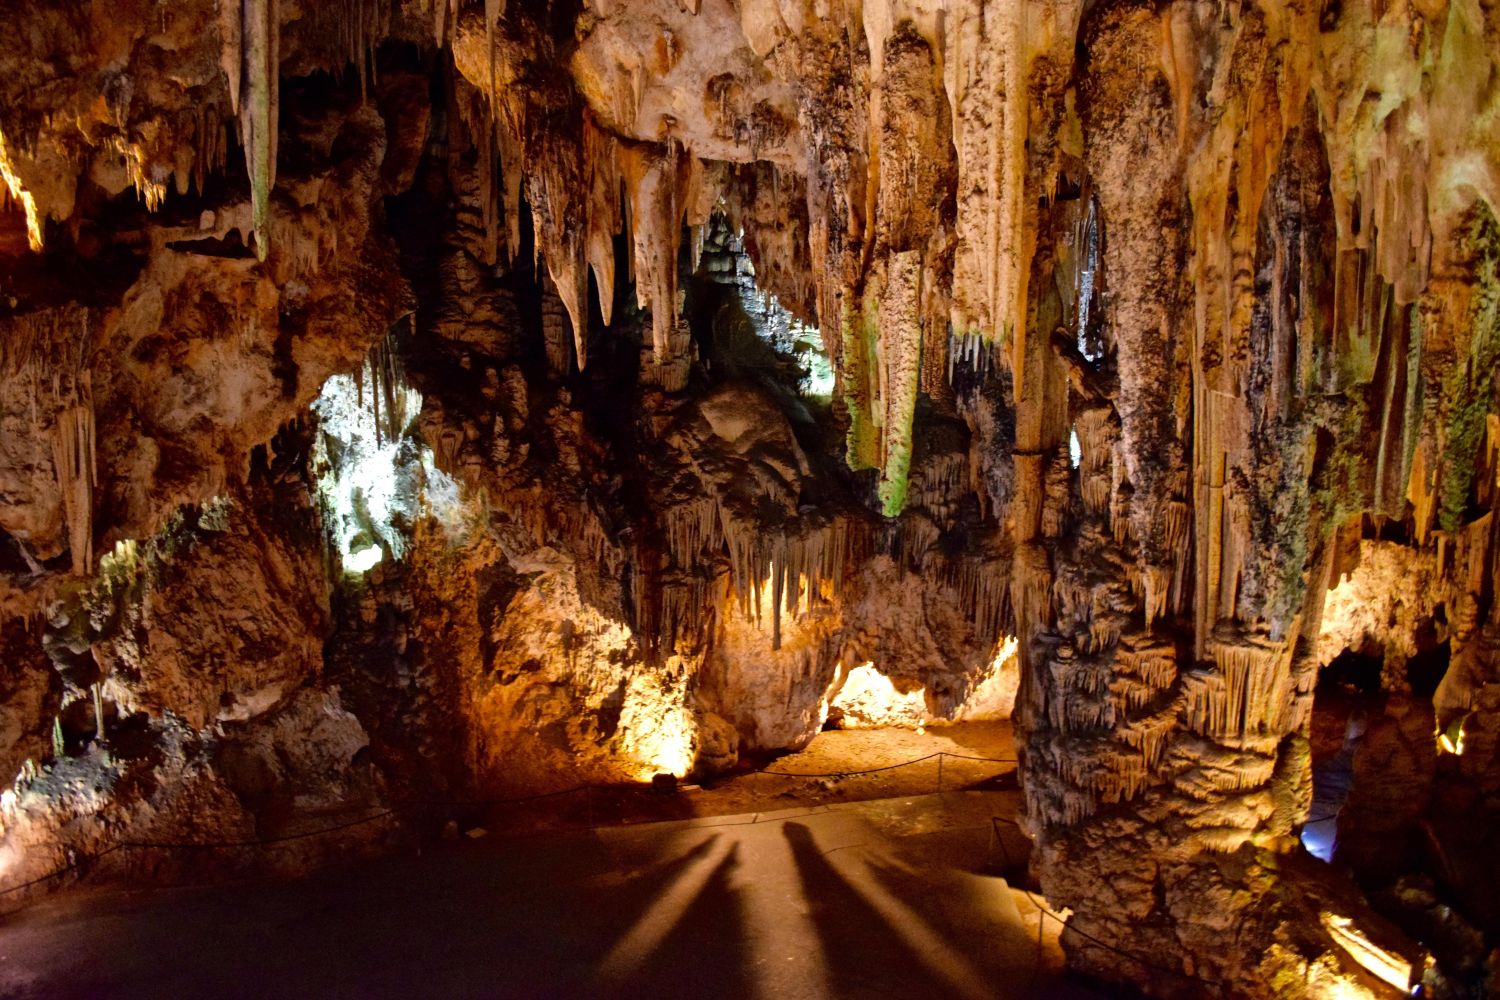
1047 448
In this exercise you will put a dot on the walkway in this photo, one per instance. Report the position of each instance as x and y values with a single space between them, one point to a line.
873 899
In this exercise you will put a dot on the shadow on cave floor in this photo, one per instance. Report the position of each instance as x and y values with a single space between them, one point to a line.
888 898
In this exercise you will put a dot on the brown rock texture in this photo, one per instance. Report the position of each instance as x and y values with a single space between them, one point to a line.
409 404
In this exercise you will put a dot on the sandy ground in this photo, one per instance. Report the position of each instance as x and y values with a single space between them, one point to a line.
895 897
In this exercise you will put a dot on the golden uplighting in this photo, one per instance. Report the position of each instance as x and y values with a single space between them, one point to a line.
659 732
1384 965
19 193
1451 739
864 697
868 697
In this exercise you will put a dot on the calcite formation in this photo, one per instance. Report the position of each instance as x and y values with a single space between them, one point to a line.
487 398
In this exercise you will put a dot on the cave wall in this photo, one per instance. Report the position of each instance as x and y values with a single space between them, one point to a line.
1163 341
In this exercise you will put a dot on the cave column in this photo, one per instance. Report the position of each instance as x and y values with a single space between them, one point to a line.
1163 765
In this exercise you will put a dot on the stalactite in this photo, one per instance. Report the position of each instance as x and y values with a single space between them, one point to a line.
381 386
795 566
1098 430
46 339
493 11
211 146
984 593
77 476
231 48
899 359
556 330
1248 693
1030 586
692 533
444 14
986 69
939 485
1154 666
970 354
353 29
489 198
603 219
652 183
261 31
1150 734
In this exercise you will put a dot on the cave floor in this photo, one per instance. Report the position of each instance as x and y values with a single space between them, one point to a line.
893 897
850 765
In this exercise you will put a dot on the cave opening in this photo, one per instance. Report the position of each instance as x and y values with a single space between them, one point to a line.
1348 696
744 331
1426 670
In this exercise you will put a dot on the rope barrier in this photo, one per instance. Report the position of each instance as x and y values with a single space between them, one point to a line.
843 774
519 798
996 760
888 767
47 877
265 842
87 860
1043 911
125 845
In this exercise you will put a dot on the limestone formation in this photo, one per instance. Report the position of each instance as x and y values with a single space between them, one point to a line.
416 402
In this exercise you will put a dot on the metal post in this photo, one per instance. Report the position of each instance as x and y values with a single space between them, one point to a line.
1041 918
940 771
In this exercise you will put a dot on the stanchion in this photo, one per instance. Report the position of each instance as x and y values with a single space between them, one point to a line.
1041 919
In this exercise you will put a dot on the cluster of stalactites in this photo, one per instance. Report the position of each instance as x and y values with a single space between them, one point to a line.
1393 134
382 381
250 56
48 351
354 30
788 572
939 88
770 573
192 146
585 190
445 14
988 49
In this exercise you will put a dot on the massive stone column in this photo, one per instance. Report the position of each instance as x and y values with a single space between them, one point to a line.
1169 683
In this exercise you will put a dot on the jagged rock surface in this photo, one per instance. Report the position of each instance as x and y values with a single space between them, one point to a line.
1163 341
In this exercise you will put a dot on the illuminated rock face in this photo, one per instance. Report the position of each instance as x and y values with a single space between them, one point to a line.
1163 343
